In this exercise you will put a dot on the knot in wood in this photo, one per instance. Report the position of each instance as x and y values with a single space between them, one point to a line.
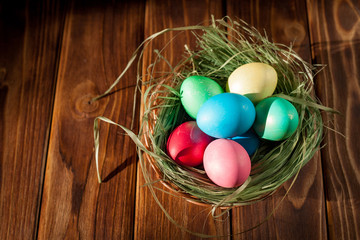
84 105
295 31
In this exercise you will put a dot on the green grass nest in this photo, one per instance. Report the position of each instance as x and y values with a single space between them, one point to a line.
222 47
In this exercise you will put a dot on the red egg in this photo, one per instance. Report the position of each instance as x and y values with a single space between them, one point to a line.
187 143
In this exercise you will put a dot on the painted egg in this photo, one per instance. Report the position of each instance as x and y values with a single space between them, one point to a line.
227 163
276 119
253 80
195 90
187 143
226 115
249 140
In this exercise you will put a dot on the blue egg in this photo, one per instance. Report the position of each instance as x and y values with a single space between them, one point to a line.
226 115
249 140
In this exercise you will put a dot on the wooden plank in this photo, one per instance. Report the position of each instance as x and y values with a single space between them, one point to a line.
150 221
303 208
99 38
334 29
30 36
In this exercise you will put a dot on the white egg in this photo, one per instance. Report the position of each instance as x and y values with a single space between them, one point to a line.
253 80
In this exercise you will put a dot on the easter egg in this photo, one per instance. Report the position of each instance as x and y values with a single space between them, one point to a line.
253 80
186 144
226 115
276 119
249 140
226 163
195 90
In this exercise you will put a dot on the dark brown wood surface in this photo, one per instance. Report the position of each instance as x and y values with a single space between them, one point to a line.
335 39
94 34
56 55
30 38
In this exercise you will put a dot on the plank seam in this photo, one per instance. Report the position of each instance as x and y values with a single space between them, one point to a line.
321 152
138 122
48 131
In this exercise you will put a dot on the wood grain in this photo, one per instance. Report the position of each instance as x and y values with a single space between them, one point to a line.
150 221
284 22
30 33
335 35
99 38
56 55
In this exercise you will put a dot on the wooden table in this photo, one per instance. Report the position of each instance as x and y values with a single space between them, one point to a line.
56 55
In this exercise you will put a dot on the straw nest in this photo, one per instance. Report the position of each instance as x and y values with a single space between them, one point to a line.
222 47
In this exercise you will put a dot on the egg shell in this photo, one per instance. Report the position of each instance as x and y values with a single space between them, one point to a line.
187 143
276 119
253 80
249 140
195 90
227 163
226 115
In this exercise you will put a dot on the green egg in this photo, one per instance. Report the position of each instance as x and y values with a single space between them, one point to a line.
276 119
196 90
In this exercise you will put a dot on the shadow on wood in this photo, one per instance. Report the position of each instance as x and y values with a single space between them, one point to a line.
128 161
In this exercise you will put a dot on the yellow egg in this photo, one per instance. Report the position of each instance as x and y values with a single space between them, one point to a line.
253 80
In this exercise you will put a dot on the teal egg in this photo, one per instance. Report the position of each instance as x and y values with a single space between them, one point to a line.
276 119
195 90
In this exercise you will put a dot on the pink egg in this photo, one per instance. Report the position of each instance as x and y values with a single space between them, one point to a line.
227 163
187 143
